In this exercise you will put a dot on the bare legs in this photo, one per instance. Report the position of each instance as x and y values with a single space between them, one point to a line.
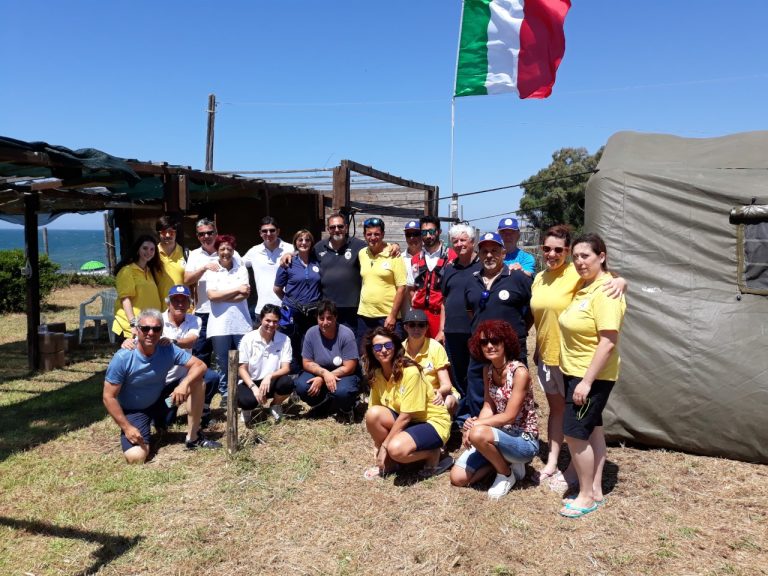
400 449
481 437
554 432
588 459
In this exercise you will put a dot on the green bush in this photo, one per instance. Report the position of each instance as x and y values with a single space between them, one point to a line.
13 286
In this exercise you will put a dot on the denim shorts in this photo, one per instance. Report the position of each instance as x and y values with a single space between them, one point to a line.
514 447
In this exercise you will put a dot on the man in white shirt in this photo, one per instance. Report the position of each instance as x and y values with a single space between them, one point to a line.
264 260
199 262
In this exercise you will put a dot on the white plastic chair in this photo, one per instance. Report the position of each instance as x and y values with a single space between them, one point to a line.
107 313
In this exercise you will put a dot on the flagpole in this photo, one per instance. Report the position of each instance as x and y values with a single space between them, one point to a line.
454 197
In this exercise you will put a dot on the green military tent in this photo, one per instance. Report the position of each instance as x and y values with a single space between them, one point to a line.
686 223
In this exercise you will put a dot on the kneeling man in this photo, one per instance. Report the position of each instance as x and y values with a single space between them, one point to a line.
136 395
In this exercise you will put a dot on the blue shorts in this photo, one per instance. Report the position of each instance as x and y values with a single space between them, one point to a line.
158 413
423 433
514 447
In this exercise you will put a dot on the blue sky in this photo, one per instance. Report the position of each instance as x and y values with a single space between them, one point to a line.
304 84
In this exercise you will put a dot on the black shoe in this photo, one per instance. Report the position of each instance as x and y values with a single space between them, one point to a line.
202 442
345 416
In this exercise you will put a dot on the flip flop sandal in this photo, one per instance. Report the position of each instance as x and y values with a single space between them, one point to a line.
542 477
572 497
441 467
374 472
571 511
558 483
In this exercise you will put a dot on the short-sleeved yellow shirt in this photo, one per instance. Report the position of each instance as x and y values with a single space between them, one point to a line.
411 395
590 312
172 272
138 285
432 357
382 276
551 293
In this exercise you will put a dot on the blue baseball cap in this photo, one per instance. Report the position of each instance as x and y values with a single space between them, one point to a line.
179 290
491 237
412 225
508 224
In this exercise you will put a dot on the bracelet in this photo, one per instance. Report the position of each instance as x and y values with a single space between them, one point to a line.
133 322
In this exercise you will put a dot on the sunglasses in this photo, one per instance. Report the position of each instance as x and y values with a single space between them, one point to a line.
206 233
583 409
548 249
268 230
413 235
385 346
415 324
484 297
336 227
493 341
154 329
372 222
430 232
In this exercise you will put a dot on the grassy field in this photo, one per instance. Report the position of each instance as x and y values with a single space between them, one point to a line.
298 504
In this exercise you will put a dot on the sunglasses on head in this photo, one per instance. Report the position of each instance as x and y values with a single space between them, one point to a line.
206 233
493 340
548 249
268 230
416 324
372 222
429 232
385 346
154 329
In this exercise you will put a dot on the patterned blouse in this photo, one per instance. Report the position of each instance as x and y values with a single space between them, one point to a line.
526 420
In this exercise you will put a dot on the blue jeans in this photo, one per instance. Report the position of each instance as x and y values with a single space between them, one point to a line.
221 347
347 389
514 447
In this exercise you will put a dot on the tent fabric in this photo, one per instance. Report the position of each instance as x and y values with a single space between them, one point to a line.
694 372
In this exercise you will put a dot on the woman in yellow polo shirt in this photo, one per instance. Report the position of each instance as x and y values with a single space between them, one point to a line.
136 284
406 426
552 291
589 360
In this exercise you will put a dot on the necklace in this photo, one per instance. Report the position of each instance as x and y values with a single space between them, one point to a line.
499 371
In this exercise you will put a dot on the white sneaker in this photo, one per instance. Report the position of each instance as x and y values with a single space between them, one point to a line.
518 469
277 412
246 416
501 486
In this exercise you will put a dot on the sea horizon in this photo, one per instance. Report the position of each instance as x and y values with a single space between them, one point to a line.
70 249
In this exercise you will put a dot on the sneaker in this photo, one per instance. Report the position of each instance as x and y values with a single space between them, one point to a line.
518 469
501 486
277 412
202 442
246 416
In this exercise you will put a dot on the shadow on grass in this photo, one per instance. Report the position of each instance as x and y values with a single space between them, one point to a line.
111 546
50 414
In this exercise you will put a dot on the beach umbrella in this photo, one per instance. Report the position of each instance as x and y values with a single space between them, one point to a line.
92 265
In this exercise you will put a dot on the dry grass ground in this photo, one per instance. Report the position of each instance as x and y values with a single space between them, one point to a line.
298 504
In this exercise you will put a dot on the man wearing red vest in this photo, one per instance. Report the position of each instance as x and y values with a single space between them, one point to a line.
425 274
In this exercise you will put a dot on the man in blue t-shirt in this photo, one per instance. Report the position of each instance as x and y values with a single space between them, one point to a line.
136 395
515 259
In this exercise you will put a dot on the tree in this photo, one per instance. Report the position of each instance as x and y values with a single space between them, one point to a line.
552 196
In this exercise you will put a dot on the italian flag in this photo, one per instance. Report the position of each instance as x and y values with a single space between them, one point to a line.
510 46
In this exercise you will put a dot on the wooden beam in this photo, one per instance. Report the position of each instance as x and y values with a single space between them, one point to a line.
32 272
340 187
385 176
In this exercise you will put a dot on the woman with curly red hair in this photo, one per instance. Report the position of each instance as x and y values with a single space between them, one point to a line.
505 435
404 422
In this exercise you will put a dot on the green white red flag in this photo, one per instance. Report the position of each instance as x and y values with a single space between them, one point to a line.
510 46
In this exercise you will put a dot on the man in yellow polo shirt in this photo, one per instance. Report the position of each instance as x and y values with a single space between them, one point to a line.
171 257
384 279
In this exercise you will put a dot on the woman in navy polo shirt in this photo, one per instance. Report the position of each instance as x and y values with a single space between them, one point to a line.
298 285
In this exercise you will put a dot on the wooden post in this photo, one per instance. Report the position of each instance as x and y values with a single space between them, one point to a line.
109 243
32 272
232 435
209 137
45 241
341 186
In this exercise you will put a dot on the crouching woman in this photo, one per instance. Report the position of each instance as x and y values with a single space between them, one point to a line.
504 436
406 426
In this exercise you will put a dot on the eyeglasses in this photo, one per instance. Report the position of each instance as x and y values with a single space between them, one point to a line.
206 233
385 346
548 249
268 230
420 325
373 222
336 226
429 232
583 409
155 329
484 297
493 341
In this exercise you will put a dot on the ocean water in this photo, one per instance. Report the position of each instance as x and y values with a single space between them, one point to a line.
68 248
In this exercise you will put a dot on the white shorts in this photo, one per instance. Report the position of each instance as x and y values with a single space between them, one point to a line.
550 379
